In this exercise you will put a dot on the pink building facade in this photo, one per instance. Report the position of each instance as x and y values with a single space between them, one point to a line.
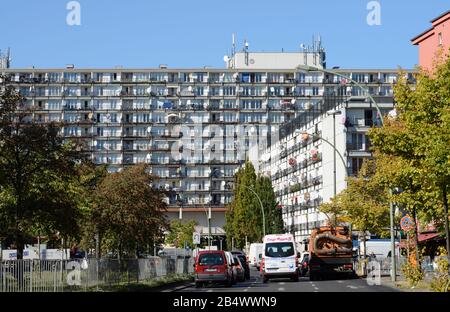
433 40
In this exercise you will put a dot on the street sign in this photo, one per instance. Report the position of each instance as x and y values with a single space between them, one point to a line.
407 223
196 238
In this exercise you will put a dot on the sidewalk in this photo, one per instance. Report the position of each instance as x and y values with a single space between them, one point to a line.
402 285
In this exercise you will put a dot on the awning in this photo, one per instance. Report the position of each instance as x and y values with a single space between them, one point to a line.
428 236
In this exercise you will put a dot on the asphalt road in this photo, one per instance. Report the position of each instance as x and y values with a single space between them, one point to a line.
255 284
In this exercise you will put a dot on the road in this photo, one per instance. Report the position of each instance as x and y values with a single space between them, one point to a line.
255 284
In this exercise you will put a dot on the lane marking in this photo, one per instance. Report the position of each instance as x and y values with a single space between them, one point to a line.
281 289
281 283
352 287
316 288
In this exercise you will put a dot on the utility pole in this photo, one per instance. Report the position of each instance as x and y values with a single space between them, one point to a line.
209 228
334 156
394 264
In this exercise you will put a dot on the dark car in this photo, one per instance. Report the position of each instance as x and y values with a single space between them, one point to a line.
238 269
304 265
244 261
213 267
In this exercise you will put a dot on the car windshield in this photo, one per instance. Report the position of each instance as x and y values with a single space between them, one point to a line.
210 259
279 249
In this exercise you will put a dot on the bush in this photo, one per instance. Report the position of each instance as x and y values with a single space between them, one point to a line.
412 273
441 278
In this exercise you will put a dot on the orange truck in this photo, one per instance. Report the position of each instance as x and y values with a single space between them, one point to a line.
331 252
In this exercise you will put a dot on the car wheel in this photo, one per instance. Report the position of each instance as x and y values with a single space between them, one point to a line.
265 279
294 278
198 284
312 277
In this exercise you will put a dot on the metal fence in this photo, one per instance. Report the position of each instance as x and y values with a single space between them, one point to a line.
86 274
428 266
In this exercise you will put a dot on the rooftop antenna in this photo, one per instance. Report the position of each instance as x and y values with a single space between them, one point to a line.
8 58
5 59
246 51
233 52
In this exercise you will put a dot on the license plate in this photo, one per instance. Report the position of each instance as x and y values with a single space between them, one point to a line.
211 270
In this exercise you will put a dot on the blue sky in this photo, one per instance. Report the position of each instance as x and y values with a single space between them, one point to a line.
182 33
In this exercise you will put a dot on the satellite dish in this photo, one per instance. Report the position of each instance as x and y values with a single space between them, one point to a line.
302 46
190 88
293 101
226 58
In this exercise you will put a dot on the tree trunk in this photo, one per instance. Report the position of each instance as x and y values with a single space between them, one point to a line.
447 238
416 237
365 248
20 244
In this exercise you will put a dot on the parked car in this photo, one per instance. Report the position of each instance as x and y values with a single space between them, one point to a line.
244 261
304 264
213 267
230 259
238 269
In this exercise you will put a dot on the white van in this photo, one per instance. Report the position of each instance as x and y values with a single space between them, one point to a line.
255 250
279 257
380 248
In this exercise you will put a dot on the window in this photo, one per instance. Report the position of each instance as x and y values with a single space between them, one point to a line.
229 91
356 165
440 39
211 259
279 250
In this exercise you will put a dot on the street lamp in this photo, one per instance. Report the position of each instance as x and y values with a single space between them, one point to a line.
208 217
262 207
298 131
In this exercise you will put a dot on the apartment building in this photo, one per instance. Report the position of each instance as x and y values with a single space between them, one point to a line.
301 163
194 127
433 40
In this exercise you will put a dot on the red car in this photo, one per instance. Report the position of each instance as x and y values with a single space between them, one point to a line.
211 266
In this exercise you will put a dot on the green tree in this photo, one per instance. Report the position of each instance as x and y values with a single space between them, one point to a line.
418 137
273 215
38 176
128 213
181 233
244 215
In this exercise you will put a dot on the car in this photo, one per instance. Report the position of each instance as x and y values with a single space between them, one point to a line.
304 264
280 258
258 261
244 262
213 266
238 269
245 265
255 250
230 259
